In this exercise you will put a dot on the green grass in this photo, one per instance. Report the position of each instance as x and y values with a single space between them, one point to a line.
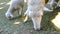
8 26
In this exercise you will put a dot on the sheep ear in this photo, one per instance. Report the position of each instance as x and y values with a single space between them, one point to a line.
46 9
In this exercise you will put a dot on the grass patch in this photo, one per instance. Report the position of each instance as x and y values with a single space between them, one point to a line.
8 26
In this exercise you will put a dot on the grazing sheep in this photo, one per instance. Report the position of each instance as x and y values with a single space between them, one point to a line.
58 4
54 3
15 5
35 12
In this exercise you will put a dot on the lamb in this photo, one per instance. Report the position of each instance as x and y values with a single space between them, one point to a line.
35 12
15 5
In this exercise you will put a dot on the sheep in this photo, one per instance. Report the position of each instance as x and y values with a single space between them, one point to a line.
35 12
54 3
58 4
15 5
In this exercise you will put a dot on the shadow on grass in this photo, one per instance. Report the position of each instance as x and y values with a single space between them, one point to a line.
46 21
